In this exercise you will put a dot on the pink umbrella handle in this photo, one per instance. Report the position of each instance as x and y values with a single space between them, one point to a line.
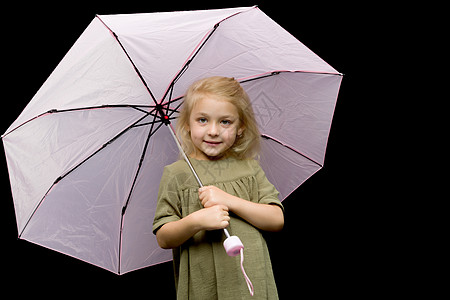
233 246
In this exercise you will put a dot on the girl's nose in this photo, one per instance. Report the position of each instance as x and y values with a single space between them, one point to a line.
213 129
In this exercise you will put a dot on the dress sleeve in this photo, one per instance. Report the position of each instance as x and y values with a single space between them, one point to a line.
168 207
267 193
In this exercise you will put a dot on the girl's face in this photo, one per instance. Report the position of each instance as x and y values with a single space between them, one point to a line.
214 125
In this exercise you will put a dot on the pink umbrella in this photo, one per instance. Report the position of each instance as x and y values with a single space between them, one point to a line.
86 155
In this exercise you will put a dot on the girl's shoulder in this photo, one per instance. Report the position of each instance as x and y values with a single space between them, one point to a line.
248 163
178 176
177 168
178 165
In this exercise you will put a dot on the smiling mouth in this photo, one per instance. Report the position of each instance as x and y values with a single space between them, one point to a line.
212 143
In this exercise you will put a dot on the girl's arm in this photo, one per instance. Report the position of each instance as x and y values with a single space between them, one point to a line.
174 234
266 217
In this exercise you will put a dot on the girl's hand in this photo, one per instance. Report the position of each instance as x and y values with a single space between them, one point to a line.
174 234
266 217
214 217
211 195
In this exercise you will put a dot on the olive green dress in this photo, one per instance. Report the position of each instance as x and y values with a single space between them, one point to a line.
202 268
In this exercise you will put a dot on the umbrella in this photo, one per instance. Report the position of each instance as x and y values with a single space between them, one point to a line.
86 155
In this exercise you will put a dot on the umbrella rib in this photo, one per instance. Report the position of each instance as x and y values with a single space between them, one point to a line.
79 164
124 208
188 62
129 58
278 72
195 52
267 137
173 110
52 111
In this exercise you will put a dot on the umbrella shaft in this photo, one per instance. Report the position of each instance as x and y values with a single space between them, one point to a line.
184 155
227 234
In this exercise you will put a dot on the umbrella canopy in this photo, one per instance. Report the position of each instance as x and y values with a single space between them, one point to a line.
86 155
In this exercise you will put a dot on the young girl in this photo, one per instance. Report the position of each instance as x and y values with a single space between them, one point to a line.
218 131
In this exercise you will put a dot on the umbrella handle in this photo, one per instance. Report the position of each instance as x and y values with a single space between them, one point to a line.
233 246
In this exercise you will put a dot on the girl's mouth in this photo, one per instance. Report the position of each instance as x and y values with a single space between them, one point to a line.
212 143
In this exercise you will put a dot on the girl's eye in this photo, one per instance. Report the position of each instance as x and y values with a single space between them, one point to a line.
202 120
226 122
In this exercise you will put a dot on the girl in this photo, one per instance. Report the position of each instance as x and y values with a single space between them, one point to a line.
218 131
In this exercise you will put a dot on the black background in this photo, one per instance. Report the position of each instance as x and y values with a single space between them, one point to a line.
330 244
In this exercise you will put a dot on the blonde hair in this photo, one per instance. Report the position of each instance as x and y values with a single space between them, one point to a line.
246 145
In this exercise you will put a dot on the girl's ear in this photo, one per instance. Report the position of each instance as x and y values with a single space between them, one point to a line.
240 130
